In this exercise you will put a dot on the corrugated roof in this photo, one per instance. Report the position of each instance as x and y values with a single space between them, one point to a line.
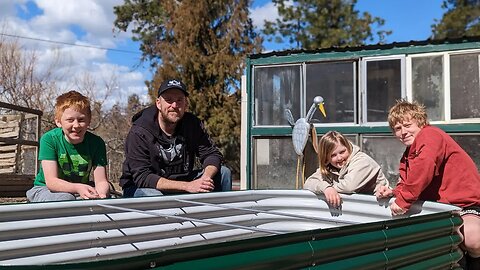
378 46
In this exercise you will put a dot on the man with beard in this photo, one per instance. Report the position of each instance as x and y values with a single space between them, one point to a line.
161 148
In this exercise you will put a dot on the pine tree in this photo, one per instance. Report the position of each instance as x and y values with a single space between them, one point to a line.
314 24
205 44
461 19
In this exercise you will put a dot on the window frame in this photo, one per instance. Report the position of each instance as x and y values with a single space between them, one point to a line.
363 85
254 106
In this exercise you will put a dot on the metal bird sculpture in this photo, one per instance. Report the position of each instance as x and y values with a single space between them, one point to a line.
301 131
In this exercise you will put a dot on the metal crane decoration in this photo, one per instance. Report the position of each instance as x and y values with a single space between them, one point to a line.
300 133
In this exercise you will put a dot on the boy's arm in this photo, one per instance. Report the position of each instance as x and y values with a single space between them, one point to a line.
55 184
422 164
101 182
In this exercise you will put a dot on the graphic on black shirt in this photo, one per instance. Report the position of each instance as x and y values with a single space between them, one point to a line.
173 153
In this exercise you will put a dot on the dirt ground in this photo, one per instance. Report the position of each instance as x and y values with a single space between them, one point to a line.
4 200
8 200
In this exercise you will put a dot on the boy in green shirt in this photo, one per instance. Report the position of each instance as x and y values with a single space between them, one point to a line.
69 153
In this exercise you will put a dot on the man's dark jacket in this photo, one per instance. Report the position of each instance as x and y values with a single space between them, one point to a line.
151 154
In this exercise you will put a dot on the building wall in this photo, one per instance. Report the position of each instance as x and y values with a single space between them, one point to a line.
359 85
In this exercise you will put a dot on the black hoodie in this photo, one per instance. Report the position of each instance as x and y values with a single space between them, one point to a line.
151 154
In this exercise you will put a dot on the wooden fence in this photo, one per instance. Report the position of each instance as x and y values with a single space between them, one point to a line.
19 134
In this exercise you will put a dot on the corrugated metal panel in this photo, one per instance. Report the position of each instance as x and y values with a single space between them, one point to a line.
338 53
255 229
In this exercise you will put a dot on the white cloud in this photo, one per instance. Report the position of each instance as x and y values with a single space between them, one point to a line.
86 22
261 13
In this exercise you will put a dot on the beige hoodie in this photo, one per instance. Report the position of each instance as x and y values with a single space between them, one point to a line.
361 174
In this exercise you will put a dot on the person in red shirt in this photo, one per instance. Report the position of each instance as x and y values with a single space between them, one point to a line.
435 168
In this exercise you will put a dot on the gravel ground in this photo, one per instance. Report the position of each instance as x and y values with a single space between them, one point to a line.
12 200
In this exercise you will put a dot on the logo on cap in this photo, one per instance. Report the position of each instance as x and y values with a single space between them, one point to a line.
174 83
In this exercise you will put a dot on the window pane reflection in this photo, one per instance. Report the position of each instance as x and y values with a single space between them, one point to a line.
427 85
471 144
383 88
465 86
386 151
335 83
276 89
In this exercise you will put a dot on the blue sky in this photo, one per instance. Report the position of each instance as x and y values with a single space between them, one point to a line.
88 24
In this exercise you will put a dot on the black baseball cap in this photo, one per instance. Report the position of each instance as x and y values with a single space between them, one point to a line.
172 84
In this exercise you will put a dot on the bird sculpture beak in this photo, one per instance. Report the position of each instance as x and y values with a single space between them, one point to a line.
322 109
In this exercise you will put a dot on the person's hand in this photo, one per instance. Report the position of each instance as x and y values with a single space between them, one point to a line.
102 195
202 184
384 192
332 196
396 210
86 192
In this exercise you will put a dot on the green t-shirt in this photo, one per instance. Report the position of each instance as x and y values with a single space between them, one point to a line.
75 161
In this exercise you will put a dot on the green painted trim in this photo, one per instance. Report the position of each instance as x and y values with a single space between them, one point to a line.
371 130
443 260
368 51
460 128
343 251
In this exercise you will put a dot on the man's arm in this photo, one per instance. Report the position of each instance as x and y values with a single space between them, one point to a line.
137 153
207 152
202 184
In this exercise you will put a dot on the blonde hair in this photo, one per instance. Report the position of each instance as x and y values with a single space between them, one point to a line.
403 110
326 145
74 100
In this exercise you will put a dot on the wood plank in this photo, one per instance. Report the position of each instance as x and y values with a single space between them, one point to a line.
20 108
8 178
12 134
14 185
6 170
9 124
6 148
18 187
6 155
17 193
7 161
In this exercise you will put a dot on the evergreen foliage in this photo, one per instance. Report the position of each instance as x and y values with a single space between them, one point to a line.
461 19
314 24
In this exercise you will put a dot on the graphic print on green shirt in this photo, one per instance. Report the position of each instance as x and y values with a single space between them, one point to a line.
76 168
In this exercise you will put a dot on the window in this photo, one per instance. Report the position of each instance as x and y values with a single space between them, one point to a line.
335 82
275 162
386 151
383 88
469 143
275 90
428 85
465 86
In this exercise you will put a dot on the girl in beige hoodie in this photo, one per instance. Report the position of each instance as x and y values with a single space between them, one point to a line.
343 169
